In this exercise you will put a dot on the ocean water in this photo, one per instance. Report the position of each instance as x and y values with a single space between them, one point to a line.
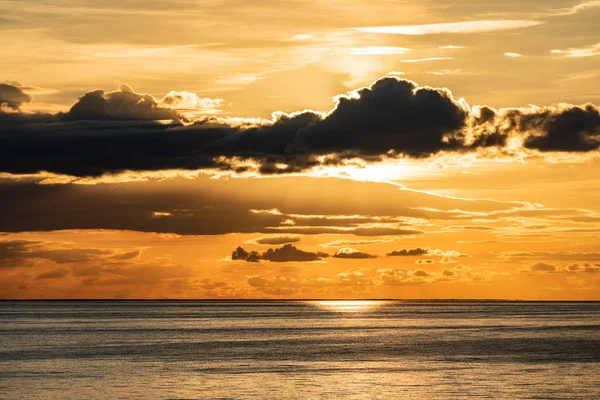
299 350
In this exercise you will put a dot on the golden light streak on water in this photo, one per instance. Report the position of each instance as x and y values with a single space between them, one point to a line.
348 306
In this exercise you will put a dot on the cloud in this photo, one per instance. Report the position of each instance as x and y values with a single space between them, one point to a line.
290 253
349 252
556 128
417 60
349 243
378 50
12 96
205 206
542 267
589 51
419 251
123 104
391 118
512 55
127 255
190 101
22 252
275 240
287 253
425 261
573 9
240 254
451 27
586 268
54 274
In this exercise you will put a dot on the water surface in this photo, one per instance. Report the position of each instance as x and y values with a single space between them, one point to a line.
299 350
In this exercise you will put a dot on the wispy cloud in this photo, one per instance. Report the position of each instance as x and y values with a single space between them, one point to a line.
444 72
512 54
574 9
426 59
450 27
378 50
451 46
587 51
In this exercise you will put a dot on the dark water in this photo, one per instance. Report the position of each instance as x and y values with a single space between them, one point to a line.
297 350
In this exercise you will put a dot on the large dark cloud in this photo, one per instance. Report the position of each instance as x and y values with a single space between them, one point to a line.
205 206
117 131
392 115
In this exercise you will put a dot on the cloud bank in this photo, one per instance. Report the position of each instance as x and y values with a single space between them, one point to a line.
105 133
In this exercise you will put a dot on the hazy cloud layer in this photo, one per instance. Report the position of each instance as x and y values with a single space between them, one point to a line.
117 131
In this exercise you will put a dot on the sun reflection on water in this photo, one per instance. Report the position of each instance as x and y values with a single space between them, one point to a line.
348 306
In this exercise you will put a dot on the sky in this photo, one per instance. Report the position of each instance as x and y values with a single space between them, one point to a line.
294 149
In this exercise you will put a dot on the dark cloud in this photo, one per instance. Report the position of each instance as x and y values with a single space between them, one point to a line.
21 252
240 254
205 206
565 128
351 253
54 274
275 240
409 252
286 253
127 255
573 129
12 96
24 253
124 105
392 114
425 261
118 131
290 253
542 267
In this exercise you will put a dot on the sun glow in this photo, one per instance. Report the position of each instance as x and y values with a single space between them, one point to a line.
348 306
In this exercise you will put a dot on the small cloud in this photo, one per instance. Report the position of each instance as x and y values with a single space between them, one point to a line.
302 37
425 261
588 51
276 240
349 252
450 46
127 255
54 274
419 251
396 73
287 253
542 267
512 55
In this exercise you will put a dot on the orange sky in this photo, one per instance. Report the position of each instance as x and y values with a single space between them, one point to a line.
257 151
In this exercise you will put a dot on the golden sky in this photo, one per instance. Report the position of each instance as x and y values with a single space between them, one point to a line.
322 149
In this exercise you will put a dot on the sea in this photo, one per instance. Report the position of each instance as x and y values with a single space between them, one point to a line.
299 350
